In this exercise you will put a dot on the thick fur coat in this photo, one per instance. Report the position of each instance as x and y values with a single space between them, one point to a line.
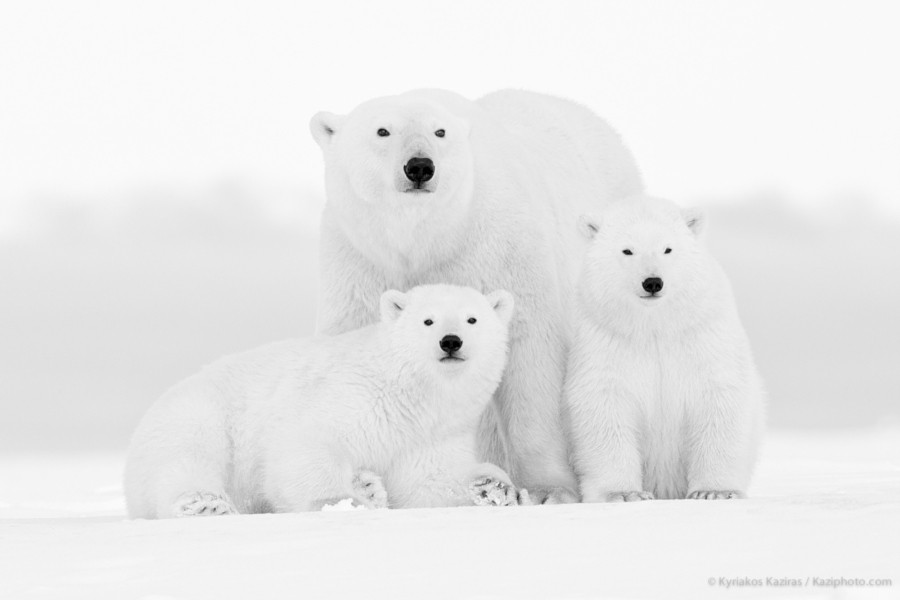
512 172
662 397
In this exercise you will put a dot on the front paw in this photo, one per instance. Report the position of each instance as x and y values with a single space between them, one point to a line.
202 504
550 495
629 496
715 495
368 490
490 491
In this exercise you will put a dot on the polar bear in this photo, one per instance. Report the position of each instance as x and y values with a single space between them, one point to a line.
662 395
429 187
385 415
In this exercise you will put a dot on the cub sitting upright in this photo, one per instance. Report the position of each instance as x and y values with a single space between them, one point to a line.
294 425
662 395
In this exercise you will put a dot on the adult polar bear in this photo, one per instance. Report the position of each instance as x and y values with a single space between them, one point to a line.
429 187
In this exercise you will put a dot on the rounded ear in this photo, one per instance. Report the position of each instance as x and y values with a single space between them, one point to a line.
392 304
695 219
589 226
502 302
323 126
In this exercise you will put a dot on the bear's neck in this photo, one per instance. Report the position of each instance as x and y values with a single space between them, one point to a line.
408 237
679 317
423 398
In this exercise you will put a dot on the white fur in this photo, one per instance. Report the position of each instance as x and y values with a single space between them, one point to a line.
293 425
662 394
512 173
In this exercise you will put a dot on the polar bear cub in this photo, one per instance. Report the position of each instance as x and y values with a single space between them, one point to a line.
385 415
662 396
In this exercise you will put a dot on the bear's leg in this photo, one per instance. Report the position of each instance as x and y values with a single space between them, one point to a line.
447 472
605 446
195 487
180 448
528 402
719 446
301 478
349 285
491 439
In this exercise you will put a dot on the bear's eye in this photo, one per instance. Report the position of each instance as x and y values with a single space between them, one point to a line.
472 320
668 251
440 133
627 252
429 322
383 132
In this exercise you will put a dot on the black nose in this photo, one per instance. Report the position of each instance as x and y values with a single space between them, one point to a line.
653 284
451 343
419 170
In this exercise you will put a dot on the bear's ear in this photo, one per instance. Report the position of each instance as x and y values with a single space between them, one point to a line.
392 304
695 219
502 302
589 226
323 126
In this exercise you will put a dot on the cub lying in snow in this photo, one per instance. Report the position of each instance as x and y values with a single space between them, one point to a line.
662 395
386 415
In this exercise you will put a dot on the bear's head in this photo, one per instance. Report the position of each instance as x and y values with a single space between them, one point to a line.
399 171
451 331
396 151
643 254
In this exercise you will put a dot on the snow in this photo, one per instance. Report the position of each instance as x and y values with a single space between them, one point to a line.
343 505
824 505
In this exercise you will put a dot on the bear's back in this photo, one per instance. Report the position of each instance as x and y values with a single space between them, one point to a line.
566 133
251 377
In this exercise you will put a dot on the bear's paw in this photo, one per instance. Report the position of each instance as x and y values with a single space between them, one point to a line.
551 495
715 495
629 496
490 491
203 504
368 490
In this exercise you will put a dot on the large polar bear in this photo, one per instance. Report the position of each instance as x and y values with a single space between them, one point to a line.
662 392
429 187
385 415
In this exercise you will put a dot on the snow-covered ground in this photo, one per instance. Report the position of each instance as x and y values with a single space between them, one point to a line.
824 506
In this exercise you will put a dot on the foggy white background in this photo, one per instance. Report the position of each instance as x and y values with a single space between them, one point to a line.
160 192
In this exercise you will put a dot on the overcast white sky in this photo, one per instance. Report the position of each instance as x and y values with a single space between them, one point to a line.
717 99
144 116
